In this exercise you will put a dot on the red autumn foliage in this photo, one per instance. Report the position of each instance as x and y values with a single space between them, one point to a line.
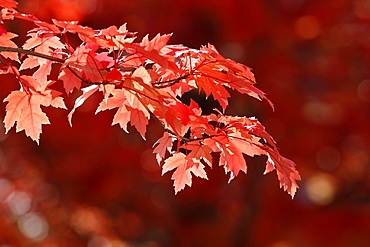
95 185
143 80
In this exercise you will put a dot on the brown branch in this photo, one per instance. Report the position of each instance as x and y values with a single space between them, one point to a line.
86 81
182 138
169 83
31 53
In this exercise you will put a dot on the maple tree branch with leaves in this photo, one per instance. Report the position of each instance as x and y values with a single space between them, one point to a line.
140 80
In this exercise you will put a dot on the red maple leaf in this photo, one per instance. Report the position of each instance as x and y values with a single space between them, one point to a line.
218 92
70 80
117 99
41 45
162 145
73 27
24 109
157 43
5 40
198 152
113 74
9 4
231 158
122 117
142 80
285 170
138 120
182 175
153 55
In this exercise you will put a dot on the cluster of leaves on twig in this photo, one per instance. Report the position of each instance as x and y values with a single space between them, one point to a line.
139 80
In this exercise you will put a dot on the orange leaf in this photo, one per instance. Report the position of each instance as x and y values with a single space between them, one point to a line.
199 171
285 169
154 56
173 162
182 175
5 41
142 74
25 110
42 72
199 152
87 92
122 117
164 143
231 157
139 120
70 81
157 43
117 100
29 63
43 44
9 4
17 100
218 92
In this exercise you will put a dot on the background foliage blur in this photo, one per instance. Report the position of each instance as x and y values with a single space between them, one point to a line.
93 185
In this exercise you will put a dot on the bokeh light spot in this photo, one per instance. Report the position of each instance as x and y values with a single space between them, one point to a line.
233 50
321 112
363 91
361 9
19 202
281 244
87 6
33 226
320 189
307 27
98 241
328 158
85 220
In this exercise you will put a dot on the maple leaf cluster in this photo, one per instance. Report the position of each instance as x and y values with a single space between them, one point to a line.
140 81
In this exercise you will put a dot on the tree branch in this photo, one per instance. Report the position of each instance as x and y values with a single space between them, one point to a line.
169 83
31 53
86 81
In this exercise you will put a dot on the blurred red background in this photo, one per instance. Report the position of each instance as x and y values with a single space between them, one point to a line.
94 185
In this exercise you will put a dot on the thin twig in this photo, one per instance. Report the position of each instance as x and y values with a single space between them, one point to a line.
168 83
86 81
